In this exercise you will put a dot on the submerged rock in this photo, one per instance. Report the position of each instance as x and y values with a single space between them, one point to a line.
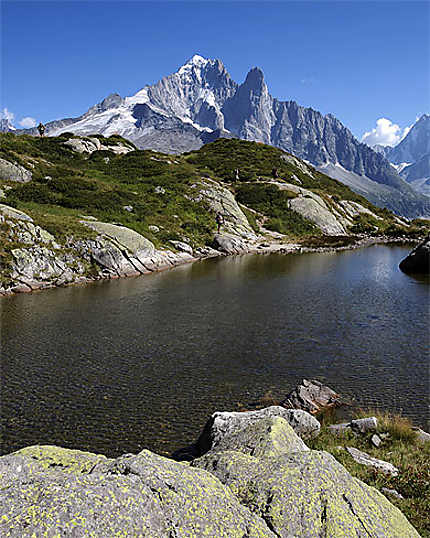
418 261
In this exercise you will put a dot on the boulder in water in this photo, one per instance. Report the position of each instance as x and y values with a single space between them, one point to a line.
418 261
311 396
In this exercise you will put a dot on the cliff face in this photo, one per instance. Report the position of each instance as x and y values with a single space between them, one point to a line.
259 480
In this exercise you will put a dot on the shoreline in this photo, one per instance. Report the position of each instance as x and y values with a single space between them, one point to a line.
264 248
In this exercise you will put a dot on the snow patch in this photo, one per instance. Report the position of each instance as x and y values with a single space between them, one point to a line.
399 167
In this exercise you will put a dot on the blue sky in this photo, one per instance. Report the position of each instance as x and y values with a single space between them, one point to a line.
357 60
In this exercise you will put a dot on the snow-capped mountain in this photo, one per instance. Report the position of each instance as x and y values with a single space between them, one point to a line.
200 102
6 126
411 157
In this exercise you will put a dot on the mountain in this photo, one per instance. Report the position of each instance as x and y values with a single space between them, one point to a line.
381 149
411 157
200 103
415 145
6 126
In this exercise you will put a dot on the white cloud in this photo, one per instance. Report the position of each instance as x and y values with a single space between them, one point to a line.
7 114
385 133
28 122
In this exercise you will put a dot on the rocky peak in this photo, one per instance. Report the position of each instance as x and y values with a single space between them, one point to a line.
415 145
6 125
113 100
255 80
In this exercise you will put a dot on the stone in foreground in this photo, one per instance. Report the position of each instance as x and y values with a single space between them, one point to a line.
307 494
364 459
223 424
260 480
50 491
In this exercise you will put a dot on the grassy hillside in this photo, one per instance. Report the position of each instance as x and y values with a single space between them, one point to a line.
67 185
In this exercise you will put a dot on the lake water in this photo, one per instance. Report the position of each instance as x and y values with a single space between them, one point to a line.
136 363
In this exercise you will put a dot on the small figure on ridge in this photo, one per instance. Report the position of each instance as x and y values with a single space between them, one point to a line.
41 129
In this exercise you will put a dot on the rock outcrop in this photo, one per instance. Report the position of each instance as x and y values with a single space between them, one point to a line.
14 172
418 261
364 459
223 203
52 491
91 144
311 396
115 251
259 480
317 214
224 423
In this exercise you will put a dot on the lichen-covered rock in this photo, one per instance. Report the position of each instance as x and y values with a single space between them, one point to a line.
14 172
269 437
225 424
418 261
38 459
48 491
307 494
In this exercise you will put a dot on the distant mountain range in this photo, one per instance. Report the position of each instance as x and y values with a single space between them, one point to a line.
411 157
201 102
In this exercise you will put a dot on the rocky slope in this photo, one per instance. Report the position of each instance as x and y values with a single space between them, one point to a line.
259 479
74 209
200 103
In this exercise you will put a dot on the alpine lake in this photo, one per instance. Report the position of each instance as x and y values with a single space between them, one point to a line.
118 366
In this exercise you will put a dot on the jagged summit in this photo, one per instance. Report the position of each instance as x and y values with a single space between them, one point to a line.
6 126
195 61
411 157
200 102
